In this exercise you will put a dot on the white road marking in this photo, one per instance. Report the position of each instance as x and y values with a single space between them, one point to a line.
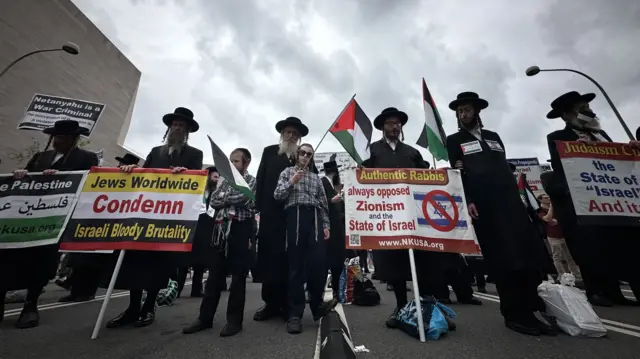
496 299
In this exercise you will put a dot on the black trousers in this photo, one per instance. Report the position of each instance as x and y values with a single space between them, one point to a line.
518 292
85 280
363 261
459 283
236 262
336 272
306 252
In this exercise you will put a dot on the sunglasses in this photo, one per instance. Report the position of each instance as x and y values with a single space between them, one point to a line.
304 153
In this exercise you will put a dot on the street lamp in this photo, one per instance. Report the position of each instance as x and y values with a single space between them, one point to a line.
68 47
534 70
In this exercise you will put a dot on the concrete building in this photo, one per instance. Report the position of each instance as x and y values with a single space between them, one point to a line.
100 73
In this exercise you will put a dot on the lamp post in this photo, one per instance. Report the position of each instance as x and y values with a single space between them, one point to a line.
69 48
534 70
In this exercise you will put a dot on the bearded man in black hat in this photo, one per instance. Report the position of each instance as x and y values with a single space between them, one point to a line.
392 266
602 253
151 270
336 250
272 256
33 267
513 250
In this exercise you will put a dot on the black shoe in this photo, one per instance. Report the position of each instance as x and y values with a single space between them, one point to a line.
599 301
522 328
471 301
325 309
545 328
392 321
29 317
125 318
265 313
374 276
146 319
73 298
196 327
230 329
482 289
294 325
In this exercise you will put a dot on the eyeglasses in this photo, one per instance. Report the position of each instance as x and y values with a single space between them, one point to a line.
304 153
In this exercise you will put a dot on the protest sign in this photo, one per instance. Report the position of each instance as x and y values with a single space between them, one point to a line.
34 210
343 159
530 167
148 209
45 110
407 209
603 179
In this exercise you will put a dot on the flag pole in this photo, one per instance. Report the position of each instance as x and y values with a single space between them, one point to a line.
435 164
333 123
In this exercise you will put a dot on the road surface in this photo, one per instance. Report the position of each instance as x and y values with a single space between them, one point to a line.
65 332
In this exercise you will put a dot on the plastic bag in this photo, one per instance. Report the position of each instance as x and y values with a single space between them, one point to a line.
436 317
574 314
168 295
347 281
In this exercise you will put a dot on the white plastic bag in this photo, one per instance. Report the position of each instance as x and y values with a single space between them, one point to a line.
572 310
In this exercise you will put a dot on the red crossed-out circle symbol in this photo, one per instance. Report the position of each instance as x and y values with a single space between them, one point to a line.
429 199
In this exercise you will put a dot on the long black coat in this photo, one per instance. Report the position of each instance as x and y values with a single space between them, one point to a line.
21 268
508 238
272 258
202 252
152 269
393 265
336 248
587 243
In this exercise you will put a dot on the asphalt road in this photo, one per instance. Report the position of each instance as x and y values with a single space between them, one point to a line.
65 332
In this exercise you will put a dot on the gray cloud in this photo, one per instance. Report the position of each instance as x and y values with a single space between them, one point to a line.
244 65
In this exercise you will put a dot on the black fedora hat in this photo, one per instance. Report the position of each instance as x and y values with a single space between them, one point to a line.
564 102
66 127
212 169
184 114
128 159
330 166
469 97
378 122
293 122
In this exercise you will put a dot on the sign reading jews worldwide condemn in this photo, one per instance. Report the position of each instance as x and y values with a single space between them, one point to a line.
407 208
148 209
34 210
604 181
45 110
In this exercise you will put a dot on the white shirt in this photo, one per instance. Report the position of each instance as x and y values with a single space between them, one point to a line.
392 144
57 157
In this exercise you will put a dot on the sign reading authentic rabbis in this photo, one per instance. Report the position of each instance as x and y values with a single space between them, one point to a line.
45 110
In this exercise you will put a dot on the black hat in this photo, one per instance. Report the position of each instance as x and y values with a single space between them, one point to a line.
468 97
330 166
212 169
293 122
66 127
183 114
512 166
564 102
128 159
378 122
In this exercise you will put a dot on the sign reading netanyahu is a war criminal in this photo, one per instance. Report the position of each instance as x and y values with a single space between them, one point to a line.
148 209
406 208
604 182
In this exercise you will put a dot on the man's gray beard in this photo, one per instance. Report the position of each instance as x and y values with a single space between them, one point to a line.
175 140
287 148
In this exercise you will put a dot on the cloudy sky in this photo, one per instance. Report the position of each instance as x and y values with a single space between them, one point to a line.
243 65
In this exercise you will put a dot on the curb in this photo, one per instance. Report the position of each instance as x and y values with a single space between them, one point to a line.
335 337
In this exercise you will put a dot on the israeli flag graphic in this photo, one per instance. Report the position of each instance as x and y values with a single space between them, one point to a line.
441 215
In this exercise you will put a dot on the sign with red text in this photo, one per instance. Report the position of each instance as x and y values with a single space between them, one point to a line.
532 168
604 181
148 209
407 208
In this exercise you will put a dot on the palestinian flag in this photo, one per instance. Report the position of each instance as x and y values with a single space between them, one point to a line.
228 171
527 196
432 136
353 130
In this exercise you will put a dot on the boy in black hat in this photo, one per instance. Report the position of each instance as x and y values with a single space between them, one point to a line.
598 251
151 270
33 267
512 249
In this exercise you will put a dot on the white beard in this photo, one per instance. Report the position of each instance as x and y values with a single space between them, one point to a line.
288 148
